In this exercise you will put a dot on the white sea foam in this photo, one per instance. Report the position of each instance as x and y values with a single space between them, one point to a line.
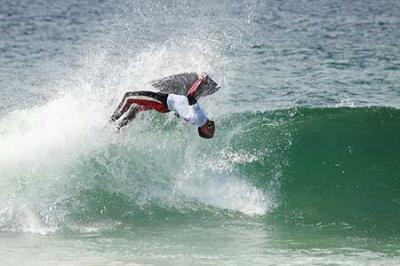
41 147
210 179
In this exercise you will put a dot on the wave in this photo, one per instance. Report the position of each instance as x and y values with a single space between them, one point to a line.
337 166
295 166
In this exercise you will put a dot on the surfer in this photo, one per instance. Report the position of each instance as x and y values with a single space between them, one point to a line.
184 106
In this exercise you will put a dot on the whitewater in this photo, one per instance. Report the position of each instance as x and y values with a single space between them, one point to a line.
303 169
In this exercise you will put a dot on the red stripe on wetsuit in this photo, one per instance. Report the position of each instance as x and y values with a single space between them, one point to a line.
146 105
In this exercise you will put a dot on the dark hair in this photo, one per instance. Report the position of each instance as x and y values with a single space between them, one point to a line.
209 124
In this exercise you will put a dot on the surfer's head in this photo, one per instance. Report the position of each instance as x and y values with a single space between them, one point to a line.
207 131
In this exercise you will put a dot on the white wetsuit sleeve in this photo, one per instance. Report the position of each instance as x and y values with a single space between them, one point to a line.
193 114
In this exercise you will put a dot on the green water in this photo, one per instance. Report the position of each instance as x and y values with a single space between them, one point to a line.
297 186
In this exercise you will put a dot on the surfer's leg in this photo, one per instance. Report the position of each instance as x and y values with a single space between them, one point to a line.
145 99
118 111
130 115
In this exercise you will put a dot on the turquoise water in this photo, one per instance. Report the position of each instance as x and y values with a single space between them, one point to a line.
303 170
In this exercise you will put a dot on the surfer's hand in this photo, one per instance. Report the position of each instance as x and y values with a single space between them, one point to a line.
203 76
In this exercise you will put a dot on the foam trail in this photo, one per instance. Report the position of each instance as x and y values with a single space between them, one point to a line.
209 177
226 192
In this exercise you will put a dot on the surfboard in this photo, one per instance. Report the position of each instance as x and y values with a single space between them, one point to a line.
181 84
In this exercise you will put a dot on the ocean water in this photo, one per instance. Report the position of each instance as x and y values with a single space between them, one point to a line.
304 168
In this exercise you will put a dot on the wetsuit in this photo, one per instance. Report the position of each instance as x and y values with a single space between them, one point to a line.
134 102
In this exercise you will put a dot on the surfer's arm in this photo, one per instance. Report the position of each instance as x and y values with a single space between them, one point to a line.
201 78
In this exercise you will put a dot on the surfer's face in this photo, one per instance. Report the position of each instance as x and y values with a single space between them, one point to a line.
208 130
